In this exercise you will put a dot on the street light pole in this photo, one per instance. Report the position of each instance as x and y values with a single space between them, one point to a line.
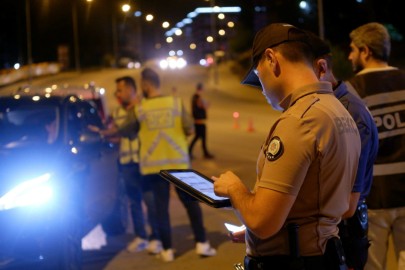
76 35
29 47
115 38
320 20
214 42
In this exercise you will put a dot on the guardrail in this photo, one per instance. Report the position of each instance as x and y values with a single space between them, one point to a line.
39 69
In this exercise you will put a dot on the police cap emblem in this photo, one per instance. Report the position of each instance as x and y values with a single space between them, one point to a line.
274 149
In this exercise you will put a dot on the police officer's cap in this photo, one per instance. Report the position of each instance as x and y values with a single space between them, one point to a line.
319 47
271 36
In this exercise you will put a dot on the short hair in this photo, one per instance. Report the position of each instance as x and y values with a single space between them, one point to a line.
151 76
199 86
375 36
292 51
128 81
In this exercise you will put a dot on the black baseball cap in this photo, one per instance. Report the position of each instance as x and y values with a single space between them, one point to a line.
270 36
319 47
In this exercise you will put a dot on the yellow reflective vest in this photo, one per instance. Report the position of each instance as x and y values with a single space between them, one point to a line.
129 149
163 141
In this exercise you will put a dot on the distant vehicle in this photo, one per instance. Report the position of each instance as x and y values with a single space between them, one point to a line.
57 178
126 62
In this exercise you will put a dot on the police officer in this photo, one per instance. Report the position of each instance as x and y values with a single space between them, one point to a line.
308 162
353 230
382 89
162 124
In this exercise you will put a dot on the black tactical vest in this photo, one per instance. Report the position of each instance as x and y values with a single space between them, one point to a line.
384 94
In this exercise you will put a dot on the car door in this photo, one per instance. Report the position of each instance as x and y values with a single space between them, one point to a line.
101 185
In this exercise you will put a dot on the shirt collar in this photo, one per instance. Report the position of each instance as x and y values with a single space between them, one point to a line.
368 70
318 88
340 90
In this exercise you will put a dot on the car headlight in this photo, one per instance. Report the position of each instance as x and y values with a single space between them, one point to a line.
31 192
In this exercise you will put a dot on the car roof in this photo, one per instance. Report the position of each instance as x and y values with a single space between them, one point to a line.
86 91
35 100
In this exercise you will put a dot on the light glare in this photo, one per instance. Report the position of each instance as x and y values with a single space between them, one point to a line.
149 17
210 39
169 40
178 32
193 46
126 8
166 24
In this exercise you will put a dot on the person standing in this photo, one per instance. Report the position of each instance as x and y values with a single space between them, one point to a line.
382 89
199 107
162 124
353 229
136 187
306 167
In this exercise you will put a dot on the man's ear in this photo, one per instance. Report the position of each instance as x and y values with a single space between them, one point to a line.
366 52
321 68
271 59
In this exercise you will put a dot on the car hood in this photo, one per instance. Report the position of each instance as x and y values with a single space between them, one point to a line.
22 164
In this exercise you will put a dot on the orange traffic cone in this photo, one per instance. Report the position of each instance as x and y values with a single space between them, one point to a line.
250 125
236 124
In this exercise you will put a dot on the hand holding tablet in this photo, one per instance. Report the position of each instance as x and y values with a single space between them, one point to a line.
197 185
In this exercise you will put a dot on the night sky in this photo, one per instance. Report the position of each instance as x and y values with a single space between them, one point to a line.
51 22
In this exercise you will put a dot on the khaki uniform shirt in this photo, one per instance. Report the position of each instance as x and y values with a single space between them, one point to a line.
311 152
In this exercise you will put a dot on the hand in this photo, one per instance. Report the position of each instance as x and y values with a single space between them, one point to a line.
222 183
237 237
93 128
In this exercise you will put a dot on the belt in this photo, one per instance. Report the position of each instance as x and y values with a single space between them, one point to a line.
283 262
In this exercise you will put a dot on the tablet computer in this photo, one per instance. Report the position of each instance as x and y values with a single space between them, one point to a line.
197 185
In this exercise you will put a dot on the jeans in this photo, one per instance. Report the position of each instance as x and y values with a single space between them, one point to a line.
138 189
161 192
382 223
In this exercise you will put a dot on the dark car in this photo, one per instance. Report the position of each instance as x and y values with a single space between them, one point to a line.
57 180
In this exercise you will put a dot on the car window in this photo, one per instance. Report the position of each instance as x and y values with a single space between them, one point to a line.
80 115
28 124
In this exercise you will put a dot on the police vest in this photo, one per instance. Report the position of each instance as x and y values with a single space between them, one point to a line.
384 94
163 141
129 149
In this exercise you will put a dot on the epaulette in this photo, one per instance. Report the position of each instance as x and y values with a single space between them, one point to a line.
301 106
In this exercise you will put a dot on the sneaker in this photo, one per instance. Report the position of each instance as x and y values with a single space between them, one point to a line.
155 246
167 255
138 244
205 249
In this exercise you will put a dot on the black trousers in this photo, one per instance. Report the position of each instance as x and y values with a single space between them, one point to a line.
200 132
161 192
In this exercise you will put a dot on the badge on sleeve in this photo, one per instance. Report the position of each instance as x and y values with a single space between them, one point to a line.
274 149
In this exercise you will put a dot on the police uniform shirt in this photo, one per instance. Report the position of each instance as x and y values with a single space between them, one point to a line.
368 135
311 152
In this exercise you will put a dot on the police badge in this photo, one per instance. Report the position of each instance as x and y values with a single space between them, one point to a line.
274 149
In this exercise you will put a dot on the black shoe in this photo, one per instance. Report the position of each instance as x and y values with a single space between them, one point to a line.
208 156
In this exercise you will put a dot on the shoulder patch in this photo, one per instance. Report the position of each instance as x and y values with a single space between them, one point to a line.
275 149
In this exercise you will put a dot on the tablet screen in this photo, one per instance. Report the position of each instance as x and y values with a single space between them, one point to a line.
199 183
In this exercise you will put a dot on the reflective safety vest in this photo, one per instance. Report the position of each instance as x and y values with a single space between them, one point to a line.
129 149
163 141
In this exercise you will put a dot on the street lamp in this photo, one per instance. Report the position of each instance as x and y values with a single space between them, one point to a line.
221 16
165 24
126 8
210 39
178 32
221 32
231 24
169 40
149 17
193 46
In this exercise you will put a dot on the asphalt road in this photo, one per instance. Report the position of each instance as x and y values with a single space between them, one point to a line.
235 149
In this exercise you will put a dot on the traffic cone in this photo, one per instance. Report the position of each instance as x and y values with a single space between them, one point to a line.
250 125
236 124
